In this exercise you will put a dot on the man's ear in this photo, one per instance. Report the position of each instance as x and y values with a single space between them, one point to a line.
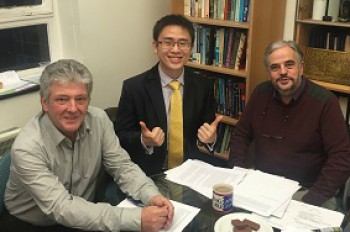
301 69
43 104
155 47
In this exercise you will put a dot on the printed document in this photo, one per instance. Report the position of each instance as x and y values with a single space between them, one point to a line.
264 193
301 216
201 176
183 214
254 190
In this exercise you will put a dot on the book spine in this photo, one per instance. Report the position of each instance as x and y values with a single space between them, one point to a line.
229 48
237 8
246 11
187 7
232 10
241 46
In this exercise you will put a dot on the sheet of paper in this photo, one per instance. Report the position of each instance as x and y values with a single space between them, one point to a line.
183 214
254 190
12 83
264 193
10 80
202 177
32 78
300 216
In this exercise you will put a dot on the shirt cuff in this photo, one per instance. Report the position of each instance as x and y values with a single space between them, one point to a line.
148 150
313 198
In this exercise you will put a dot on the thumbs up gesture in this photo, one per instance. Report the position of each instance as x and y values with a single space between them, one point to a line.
151 138
207 133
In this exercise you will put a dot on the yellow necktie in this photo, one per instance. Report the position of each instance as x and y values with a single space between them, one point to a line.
175 151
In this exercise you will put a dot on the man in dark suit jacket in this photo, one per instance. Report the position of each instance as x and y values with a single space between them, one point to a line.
142 120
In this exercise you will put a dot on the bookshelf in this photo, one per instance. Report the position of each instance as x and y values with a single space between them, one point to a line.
304 26
264 25
325 66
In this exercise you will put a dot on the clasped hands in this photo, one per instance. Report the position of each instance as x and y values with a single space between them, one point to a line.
155 137
158 215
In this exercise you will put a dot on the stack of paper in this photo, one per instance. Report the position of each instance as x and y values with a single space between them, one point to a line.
301 217
201 176
254 190
11 83
264 193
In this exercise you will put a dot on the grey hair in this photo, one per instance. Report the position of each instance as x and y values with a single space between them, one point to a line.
64 71
283 43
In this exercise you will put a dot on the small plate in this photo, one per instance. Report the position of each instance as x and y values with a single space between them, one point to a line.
224 223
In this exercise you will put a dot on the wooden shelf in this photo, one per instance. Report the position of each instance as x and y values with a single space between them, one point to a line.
334 87
228 120
224 156
323 23
212 68
216 22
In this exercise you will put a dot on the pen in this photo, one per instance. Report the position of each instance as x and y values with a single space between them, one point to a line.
329 229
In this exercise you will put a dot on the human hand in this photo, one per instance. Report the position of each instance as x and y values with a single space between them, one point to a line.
158 215
153 218
207 133
154 138
161 201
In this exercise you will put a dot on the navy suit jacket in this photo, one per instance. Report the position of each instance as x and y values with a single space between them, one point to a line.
142 100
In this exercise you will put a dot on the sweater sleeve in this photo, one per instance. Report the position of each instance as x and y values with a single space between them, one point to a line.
242 135
337 147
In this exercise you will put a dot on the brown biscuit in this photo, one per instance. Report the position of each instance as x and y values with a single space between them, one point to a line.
236 222
255 226
244 229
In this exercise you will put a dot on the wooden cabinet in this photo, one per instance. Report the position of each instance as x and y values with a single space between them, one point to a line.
332 75
265 25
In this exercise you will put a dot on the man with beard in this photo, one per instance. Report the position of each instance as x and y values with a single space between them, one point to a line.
297 128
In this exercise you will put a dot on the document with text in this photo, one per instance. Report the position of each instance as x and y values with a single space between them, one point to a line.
201 176
254 190
264 193
301 216
183 214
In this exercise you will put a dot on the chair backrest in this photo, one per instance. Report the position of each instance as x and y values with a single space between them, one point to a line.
5 161
112 113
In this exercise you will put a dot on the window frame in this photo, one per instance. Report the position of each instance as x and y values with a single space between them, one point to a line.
20 13
42 14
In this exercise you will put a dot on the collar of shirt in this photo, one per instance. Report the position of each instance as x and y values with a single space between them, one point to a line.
296 95
165 79
57 136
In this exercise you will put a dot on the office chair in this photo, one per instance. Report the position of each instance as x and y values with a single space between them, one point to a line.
6 139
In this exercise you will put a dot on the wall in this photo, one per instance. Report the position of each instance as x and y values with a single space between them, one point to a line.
113 38
117 45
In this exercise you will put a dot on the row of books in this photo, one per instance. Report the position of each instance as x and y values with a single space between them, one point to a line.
330 38
230 97
220 46
224 132
233 10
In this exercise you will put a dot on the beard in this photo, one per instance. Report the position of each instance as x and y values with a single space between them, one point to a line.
287 89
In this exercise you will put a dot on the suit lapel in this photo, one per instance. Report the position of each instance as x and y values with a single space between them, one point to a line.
188 98
154 89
